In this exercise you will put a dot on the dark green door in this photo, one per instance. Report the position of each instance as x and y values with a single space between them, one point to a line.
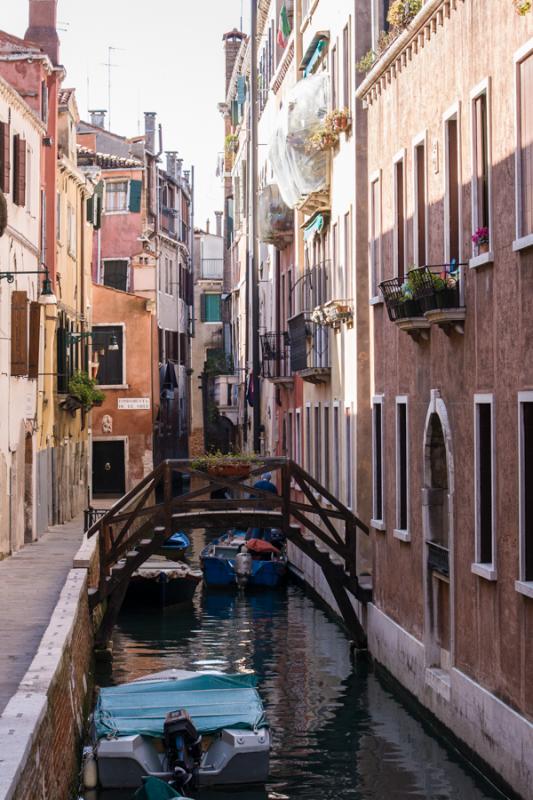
109 468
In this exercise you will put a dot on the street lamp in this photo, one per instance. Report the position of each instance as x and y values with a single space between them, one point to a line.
75 338
47 296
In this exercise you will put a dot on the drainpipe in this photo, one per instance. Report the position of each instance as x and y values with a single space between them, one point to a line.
254 284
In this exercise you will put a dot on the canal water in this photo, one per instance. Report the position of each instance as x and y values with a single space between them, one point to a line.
338 732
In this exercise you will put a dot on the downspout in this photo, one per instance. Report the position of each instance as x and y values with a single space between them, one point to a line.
254 260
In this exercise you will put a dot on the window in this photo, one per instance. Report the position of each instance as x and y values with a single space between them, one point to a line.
525 423
116 196
327 454
484 485
290 439
346 66
19 170
308 438
375 234
211 308
481 163
452 208
348 464
5 157
71 230
336 450
348 252
111 362
59 220
524 151
318 445
337 271
334 76
399 215
116 274
419 234
378 513
402 469
298 447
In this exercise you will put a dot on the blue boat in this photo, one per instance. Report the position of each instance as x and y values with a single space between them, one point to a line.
175 546
232 561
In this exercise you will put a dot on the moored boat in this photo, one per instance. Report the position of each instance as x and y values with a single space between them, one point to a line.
175 547
232 560
219 735
162 583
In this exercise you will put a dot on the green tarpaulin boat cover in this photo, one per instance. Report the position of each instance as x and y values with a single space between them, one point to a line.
213 702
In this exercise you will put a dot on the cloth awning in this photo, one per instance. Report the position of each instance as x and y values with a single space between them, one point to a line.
314 226
314 52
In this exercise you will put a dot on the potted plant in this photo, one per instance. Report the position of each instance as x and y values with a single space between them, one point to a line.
481 240
82 393
401 12
231 143
447 295
235 465
339 120
523 7
323 138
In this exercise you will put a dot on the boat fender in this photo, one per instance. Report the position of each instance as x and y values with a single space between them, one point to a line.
90 769
243 567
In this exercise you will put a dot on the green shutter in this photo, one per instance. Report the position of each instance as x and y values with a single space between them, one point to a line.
212 308
135 196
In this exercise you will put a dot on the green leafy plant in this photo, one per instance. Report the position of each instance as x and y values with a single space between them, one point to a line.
385 39
401 12
83 388
523 7
231 142
366 63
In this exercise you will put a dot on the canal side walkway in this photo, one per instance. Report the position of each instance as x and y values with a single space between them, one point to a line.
31 582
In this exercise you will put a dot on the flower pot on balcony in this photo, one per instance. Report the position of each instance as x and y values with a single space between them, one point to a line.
482 248
448 297
229 470
410 308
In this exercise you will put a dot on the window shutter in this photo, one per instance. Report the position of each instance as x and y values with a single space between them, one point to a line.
19 334
135 196
19 182
5 156
202 307
35 333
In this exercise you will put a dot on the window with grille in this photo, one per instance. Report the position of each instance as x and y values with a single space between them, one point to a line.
116 196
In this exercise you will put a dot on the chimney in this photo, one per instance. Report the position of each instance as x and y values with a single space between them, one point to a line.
207 224
98 117
149 131
232 45
219 215
171 162
179 168
187 175
43 27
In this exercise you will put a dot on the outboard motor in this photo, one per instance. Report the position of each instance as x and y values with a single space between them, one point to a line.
183 746
243 567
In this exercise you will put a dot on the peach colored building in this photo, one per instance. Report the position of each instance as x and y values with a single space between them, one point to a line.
450 135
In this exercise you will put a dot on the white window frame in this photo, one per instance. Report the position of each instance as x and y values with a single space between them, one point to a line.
483 569
403 534
484 87
317 443
336 441
124 384
326 431
308 439
522 240
378 524
521 585
400 157
290 435
375 262
421 138
452 114
348 457
298 437
125 210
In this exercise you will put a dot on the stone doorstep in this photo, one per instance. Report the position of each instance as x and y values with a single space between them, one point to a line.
21 718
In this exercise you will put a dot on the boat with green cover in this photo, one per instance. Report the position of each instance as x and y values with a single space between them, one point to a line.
182 727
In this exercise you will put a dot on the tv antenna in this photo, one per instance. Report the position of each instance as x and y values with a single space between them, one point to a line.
110 66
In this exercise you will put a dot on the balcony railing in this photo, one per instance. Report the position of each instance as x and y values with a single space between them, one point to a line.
311 289
212 268
275 348
309 348
426 295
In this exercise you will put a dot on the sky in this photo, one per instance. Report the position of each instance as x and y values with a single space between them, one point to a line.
169 60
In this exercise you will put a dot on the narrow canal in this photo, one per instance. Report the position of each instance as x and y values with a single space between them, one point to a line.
338 732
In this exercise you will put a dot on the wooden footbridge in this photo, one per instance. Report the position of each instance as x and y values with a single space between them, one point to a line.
310 516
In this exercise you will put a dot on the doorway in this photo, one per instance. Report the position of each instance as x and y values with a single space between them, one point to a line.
437 518
109 468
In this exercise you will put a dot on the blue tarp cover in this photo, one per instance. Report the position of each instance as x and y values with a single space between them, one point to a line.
213 702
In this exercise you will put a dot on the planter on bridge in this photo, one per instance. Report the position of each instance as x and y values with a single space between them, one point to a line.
226 465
